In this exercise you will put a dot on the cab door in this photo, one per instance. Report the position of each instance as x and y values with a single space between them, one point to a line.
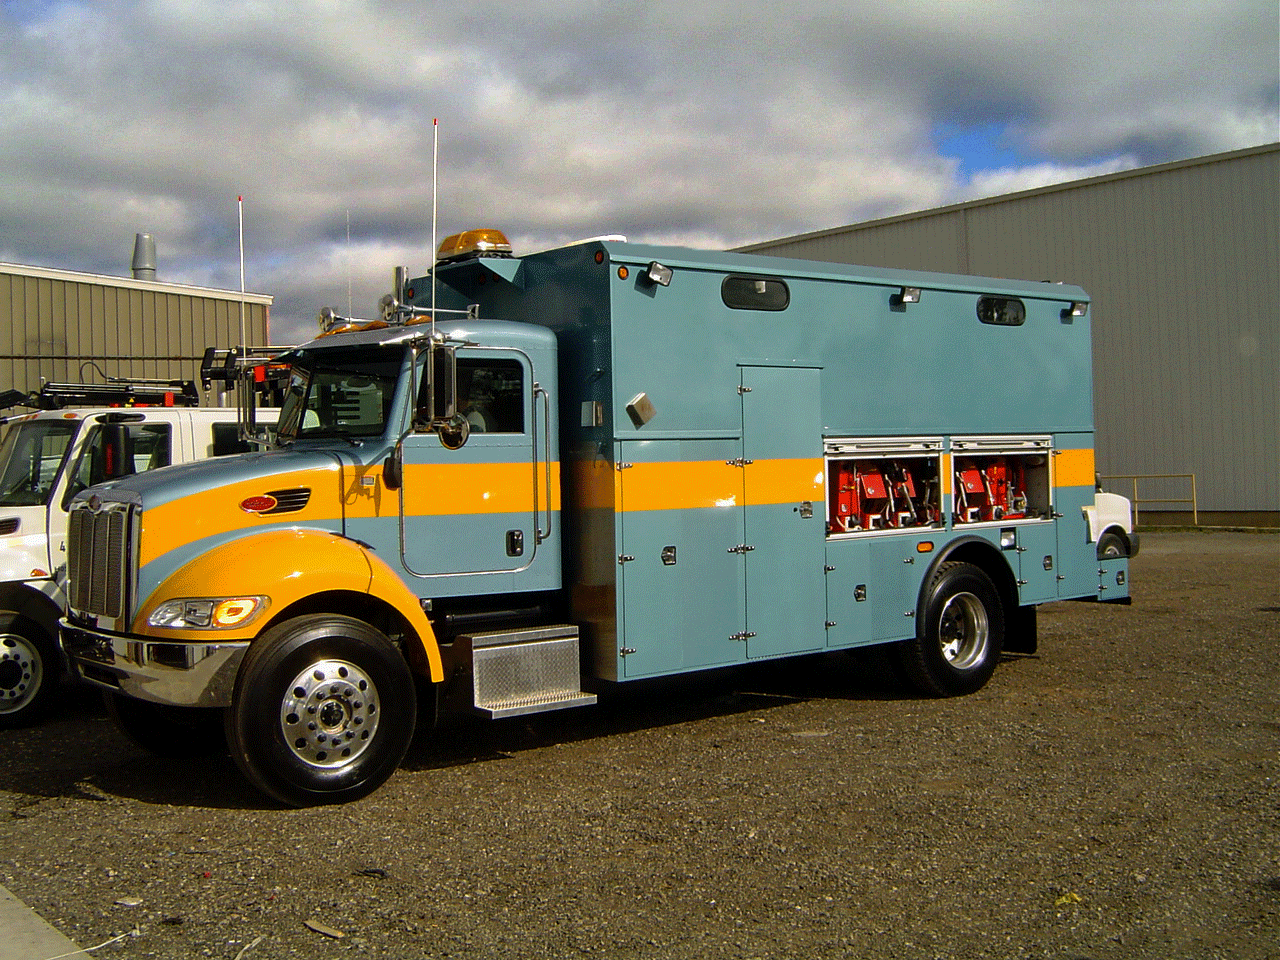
476 517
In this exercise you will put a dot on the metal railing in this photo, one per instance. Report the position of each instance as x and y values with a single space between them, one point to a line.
1135 499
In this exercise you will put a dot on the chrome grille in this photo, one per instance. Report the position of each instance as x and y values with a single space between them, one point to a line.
98 561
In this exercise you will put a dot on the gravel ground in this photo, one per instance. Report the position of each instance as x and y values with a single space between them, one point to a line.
1115 796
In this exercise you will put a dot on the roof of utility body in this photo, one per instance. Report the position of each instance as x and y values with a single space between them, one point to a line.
691 259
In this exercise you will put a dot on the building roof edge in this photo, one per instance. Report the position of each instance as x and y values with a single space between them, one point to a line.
128 283
1017 195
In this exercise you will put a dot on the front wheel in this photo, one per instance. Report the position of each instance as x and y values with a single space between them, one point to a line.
1111 547
29 670
323 710
958 643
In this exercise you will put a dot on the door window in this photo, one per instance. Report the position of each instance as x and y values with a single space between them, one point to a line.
31 455
490 394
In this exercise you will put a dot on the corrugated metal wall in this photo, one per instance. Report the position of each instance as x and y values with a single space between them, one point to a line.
54 323
1183 263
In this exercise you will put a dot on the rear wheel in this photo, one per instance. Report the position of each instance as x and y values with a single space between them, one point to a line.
960 638
29 670
323 711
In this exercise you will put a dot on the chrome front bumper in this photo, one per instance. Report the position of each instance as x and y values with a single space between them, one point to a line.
178 674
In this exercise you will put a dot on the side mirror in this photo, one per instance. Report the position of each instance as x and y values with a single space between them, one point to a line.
393 468
444 383
117 452
455 431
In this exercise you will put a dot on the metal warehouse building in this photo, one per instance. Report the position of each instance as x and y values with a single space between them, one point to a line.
57 325
1183 263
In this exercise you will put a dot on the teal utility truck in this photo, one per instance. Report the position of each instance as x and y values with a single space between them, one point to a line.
536 477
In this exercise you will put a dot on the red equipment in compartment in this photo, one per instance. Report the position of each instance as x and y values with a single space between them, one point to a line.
862 498
990 489
880 495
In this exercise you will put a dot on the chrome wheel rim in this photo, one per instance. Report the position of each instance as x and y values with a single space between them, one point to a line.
21 672
330 714
963 631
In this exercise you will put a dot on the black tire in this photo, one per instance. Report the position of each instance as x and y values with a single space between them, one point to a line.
323 711
29 670
960 635
168 731
1111 546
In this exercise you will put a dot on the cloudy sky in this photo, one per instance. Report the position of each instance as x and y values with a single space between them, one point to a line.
699 122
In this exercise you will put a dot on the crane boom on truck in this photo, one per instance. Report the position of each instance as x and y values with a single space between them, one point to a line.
539 476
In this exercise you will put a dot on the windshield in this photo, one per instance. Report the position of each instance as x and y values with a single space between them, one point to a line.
31 456
340 393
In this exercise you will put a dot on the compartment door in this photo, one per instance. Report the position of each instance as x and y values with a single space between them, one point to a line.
784 491
681 591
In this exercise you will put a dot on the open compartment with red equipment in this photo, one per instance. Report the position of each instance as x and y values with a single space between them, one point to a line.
999 479
880 485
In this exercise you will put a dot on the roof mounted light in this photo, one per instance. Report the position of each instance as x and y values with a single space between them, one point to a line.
904 296
658 273
474 243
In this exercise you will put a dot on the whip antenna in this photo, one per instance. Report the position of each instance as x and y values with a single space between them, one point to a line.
240 209
435 168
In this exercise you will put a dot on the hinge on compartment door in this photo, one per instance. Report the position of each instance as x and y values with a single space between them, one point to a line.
625 558
744 635
623 466
741 548
742 390
739 462
626 651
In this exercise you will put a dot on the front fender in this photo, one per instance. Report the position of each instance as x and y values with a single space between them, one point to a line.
286 566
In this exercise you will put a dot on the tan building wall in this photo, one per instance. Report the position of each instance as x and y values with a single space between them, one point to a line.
56 325
1183 263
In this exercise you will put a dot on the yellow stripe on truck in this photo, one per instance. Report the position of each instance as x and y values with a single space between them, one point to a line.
1074 468
434 490
354 493
213 512
714 483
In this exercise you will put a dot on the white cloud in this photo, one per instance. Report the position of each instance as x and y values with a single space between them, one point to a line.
994 183
708 124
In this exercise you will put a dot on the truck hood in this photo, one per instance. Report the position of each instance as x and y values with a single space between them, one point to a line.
268 470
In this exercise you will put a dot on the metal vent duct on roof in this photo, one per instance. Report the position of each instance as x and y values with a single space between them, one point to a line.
144 257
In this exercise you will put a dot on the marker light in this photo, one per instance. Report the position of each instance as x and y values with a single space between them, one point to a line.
909 295
259 504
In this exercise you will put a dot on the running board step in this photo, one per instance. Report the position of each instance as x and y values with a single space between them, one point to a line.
517 672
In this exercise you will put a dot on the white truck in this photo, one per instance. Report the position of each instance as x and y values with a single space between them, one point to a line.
46 458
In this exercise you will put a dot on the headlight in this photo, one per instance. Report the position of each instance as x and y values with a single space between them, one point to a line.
216 613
